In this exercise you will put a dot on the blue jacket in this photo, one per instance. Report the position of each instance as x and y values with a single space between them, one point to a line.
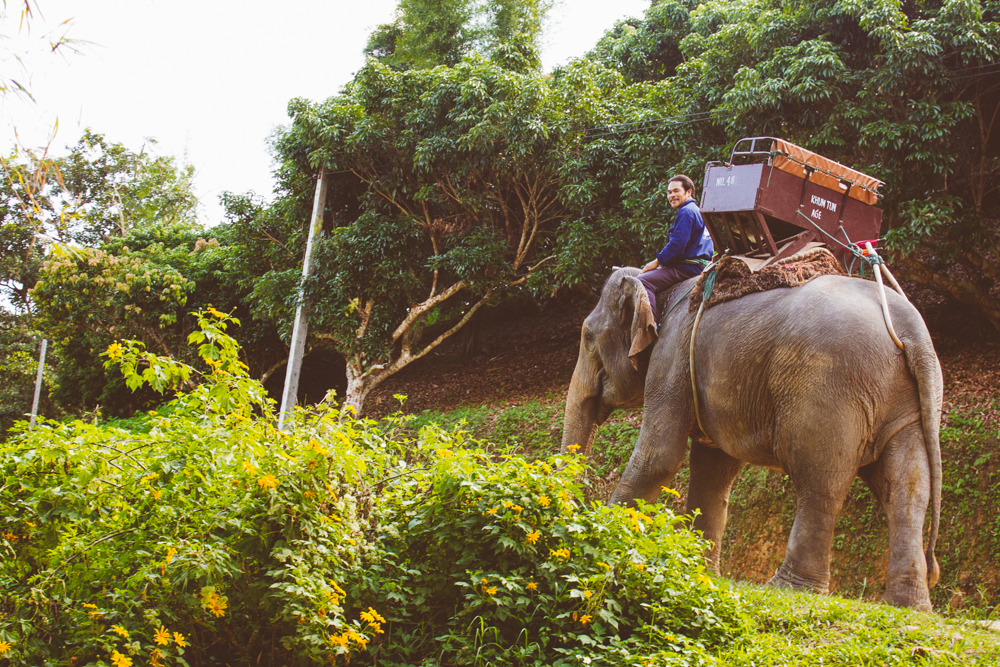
689 239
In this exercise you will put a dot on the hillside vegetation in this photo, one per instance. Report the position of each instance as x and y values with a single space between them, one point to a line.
199 534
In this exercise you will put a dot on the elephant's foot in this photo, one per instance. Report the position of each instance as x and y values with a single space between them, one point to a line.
785 578
912 594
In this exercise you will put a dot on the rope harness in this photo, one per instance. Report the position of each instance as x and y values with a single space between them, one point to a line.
877 264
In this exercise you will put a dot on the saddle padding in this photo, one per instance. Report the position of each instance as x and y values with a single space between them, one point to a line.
734 279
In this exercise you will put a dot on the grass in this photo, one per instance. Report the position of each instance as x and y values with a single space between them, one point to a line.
791 628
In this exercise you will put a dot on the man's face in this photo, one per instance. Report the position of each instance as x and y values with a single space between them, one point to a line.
677 195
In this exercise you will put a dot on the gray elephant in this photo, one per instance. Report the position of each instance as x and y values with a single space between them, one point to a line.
803 380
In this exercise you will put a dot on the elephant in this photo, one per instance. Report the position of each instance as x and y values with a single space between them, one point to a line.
803 380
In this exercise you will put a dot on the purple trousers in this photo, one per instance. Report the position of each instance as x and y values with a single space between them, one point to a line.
662 278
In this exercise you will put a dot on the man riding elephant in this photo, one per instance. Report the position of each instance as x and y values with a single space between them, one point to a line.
688 250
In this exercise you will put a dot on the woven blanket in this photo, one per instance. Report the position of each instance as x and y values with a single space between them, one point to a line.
734 278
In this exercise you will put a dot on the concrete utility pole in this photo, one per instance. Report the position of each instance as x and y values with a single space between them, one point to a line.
38 380
301 329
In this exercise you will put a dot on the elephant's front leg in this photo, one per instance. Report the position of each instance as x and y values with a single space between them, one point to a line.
712 475
657 456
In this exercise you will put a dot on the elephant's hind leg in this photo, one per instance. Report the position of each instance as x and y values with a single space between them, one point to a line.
712 475
821 474
900 479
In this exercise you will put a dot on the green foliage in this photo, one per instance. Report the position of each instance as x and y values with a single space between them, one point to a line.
207 522
106 190
498 562
903 91
209 533
426 34
199 534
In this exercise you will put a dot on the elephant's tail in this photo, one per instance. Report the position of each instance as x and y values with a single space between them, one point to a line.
924 365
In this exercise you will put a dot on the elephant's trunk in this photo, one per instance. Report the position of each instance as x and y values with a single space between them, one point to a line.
584 412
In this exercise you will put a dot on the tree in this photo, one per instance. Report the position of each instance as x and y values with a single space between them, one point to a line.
907 92
429 33
445 192
134 263
106 190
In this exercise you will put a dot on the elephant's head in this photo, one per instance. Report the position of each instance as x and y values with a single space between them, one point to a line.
611 369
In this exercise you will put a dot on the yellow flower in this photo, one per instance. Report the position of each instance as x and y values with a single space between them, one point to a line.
217 606
119 660
544 501
588 594
268 481
339 640
149 477
371 616
492 510
4 648
337 588
318 448
605 566
156 493
179 640
171 552
214 312
114 351
639 566
162 636
491 590
443 453
586 618
573 449
672 492
360 639
517 508
120 630
532 537
155 657
532 586
249 468
508 503
562 553
87 605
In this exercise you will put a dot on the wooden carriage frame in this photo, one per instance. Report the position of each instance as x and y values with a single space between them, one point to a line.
773 199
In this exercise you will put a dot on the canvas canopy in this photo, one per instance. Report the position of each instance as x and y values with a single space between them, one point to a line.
793 159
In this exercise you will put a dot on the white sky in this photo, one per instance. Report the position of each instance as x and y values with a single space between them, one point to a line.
210 79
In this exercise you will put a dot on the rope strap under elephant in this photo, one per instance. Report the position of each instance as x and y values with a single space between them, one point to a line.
706 292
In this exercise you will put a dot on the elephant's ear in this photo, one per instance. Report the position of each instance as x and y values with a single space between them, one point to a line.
643 325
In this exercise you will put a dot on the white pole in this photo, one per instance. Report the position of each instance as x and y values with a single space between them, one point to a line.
38 380
301 328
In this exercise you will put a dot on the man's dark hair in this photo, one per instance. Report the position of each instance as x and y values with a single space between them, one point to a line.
685 182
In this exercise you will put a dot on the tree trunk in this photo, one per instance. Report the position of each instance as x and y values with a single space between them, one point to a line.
471 339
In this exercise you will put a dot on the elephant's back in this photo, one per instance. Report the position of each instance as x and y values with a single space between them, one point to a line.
828 310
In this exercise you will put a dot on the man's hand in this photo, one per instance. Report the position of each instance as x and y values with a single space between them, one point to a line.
655 264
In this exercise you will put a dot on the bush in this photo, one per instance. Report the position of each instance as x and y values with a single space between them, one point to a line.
203 535
481 560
